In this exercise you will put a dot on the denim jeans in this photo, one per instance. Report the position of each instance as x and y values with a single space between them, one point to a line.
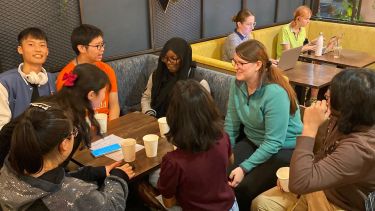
235 206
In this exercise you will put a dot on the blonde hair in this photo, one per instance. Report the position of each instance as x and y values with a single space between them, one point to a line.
242 15
302 11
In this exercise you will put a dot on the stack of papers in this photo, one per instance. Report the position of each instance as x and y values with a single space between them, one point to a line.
109 140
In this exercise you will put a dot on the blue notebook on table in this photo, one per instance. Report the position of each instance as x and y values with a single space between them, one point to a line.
105 150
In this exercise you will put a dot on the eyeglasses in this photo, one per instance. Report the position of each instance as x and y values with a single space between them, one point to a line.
99 46
170 60
251 24
73 133
239 64
254 24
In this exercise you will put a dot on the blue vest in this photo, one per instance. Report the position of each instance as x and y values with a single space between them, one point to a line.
19 92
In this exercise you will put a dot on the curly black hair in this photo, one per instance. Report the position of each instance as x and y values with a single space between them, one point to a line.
353 97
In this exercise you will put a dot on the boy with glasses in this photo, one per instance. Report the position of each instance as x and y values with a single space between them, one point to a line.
22 85
87 43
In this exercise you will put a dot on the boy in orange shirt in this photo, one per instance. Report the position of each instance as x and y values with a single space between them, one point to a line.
87 43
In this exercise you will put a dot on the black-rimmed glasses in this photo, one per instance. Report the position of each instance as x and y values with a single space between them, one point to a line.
99 46
170 60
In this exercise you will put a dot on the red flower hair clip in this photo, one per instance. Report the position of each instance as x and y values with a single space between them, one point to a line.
69 79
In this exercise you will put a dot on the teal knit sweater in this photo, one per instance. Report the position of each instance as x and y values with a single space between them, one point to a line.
266 119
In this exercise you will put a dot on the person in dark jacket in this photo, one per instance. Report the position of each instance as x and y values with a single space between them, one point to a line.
32 177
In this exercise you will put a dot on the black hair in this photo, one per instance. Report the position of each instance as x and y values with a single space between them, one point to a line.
31 32
195 121
39 132
89 78
353 97
83 35
162 81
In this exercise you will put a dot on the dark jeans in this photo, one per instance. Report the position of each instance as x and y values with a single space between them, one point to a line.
259 179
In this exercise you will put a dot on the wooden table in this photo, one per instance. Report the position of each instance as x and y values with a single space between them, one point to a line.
311 75
133 125
348 58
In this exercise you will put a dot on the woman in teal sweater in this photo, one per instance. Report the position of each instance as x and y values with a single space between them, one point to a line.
264 104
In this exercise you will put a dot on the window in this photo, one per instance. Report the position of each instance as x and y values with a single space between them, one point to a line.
345 10
367 12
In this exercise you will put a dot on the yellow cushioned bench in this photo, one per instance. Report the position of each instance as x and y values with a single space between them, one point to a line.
209 53
361 38
268 36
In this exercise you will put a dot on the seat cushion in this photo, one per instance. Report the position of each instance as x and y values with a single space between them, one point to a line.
268 36
361 38
132 75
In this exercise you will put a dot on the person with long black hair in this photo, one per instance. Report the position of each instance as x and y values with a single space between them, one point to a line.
82 92
32 177
175 63
194 175
340 174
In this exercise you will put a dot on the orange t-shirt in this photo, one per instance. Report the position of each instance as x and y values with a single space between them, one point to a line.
104 107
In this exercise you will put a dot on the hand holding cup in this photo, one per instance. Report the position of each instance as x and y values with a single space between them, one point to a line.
283 178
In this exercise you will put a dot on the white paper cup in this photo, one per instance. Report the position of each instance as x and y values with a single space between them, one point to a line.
150 142
128 149
163 126
102 120
283 176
